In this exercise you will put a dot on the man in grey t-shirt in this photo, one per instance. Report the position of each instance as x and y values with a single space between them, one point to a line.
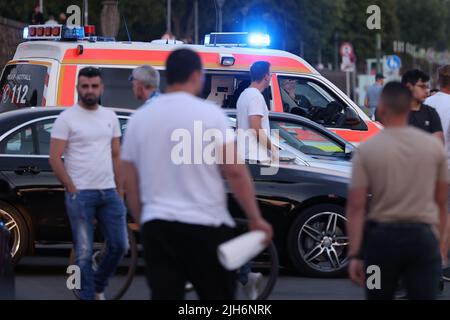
373 94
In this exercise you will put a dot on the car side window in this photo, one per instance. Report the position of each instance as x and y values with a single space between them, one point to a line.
123 126
43 132
20 142
306 139
308 98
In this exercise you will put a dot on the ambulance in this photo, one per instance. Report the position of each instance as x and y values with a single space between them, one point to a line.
43 72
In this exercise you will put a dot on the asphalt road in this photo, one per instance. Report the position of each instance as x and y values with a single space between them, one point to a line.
43 277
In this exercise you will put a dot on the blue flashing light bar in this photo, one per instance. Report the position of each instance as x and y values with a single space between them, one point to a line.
258 40
237 39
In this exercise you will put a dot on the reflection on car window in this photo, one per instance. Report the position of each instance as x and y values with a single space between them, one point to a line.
309 99
306 140
118 91
20 142
44 130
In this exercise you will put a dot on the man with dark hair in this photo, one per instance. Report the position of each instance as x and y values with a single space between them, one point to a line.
405 171
88 136
422 116
253 115
176 194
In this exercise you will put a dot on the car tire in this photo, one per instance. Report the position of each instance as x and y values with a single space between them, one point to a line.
19 236
317 241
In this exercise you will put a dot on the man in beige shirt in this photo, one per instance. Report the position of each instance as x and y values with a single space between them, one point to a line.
404 170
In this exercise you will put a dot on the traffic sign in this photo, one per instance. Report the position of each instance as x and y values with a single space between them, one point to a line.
393 62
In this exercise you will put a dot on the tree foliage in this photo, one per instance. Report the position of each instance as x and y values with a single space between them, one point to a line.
310 26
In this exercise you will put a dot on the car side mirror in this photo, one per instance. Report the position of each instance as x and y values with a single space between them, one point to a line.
351 117
287 156
349 148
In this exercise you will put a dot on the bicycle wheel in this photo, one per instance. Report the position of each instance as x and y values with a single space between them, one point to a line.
121 280
266 263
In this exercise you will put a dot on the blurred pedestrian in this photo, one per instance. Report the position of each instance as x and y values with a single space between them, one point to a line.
181 206
441 103
88 136
422 116
405 172
145 81
62 18
253 114
373 95
433 92
36 16
51 20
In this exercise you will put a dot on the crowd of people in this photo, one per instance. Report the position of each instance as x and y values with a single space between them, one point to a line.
398 195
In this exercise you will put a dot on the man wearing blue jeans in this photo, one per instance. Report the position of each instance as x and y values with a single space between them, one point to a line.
88 136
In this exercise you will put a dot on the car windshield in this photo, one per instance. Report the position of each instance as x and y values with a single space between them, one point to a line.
306 140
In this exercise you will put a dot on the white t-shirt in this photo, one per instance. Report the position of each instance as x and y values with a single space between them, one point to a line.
88 158
250 103
441 102
162 142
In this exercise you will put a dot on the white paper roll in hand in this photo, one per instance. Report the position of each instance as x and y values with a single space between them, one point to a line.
236 252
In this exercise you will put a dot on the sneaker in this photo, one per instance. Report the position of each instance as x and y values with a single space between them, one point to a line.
100 296
188 287
446 274
253 286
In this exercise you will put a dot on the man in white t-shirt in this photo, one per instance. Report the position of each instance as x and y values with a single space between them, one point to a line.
88 136
253 117
178 195
441 102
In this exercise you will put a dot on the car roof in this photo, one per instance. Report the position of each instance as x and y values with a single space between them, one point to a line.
137 53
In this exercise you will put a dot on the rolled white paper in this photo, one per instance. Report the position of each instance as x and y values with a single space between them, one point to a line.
236 252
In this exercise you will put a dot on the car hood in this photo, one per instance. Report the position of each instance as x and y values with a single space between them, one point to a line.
343 166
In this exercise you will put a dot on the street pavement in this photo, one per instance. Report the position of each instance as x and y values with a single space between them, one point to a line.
43 277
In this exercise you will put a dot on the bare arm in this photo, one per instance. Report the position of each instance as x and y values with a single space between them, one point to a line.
263 139
366 102
115 153
355 226
439 135
57 148
441 198
242 187
356 216
131 187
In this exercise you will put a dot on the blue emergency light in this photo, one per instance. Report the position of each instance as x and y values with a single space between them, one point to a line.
237 39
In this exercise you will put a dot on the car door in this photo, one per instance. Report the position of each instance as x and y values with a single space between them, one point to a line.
24 155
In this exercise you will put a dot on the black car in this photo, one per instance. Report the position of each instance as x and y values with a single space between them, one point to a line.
305 204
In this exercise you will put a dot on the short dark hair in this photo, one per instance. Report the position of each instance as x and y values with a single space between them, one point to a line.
444 76
396 97
180 64
413 76
259 70
89 72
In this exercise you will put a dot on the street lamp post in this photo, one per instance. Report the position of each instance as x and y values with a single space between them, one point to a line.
86 12
169 15
196 21
220 4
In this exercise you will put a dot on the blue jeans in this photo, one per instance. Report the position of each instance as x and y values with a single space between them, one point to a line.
105 206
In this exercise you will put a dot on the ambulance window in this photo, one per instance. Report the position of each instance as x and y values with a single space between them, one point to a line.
225 89
310 99
22 85
118 90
